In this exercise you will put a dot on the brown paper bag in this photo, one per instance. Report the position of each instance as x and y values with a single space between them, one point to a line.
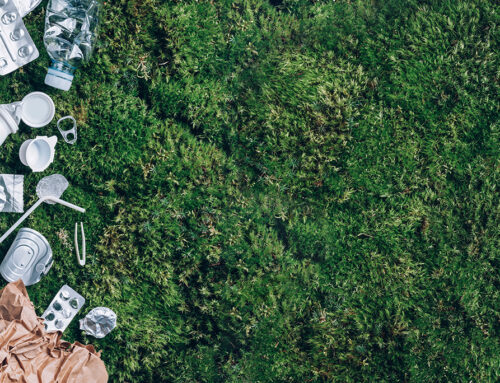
29 354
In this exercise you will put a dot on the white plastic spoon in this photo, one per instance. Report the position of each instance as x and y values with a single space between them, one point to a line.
55 184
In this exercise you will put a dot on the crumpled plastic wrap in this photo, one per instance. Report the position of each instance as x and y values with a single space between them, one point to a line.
98 322
11 193
29 354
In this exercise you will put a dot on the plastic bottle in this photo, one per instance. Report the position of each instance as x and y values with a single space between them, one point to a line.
70 36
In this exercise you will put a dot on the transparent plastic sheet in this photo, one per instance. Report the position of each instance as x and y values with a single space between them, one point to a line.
11 193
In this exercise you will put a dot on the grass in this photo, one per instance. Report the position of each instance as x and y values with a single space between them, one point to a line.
281 191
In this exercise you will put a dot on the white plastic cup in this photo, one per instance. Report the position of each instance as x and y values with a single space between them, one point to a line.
36 110
38 153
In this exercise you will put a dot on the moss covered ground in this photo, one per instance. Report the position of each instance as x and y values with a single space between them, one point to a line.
281 191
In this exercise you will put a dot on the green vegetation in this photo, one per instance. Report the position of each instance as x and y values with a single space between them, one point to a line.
281 191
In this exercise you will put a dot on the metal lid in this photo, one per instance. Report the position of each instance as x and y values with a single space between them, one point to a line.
29 258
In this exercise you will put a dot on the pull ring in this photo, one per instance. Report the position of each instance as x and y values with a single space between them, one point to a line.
66 133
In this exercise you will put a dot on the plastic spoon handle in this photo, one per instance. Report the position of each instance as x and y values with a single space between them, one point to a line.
32 208
64 203
20 220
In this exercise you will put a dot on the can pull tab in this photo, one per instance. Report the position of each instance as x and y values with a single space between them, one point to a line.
70 135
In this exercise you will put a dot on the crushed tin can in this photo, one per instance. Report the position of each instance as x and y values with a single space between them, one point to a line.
29 258
98 322
62 309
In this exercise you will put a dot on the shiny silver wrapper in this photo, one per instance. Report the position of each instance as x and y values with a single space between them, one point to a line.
98 322
26 6
11 193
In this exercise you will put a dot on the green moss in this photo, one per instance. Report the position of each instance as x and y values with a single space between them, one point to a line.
281 191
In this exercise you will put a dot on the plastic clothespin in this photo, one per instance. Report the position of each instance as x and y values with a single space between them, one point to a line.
81 260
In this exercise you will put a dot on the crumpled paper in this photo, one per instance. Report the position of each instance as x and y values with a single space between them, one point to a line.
98 322
11 193
29 354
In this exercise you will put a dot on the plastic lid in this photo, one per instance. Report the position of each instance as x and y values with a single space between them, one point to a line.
58 79
37 109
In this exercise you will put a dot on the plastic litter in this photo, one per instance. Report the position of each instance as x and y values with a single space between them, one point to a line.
98 322
70 36
49 189
66 134
11 193
36 110
29 258
38 153
81 261
16 46
62 309
26 6
30 354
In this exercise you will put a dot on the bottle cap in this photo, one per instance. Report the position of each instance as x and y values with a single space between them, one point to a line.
58 79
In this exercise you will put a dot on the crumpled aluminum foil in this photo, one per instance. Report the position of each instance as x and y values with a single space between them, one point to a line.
98 322
11 193
26 6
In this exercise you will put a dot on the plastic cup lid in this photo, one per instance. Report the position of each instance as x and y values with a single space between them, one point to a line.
37 109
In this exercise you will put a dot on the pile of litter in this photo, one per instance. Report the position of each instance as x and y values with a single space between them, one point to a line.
31 349
29 354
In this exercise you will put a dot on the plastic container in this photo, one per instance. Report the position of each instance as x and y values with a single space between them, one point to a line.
38 153
70 36
36 110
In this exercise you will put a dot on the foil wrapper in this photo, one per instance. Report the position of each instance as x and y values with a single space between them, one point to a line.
26 6
98 322
11 193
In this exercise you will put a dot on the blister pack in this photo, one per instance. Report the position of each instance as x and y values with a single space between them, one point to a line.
16 46
62 309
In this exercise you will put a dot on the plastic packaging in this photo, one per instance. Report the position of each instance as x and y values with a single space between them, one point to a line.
38 153
29 258
62 309
16 46
36 110
98 322
11 193
26 6
49 189
70 36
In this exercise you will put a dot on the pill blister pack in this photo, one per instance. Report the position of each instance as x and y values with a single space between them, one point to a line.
16 46
62 309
